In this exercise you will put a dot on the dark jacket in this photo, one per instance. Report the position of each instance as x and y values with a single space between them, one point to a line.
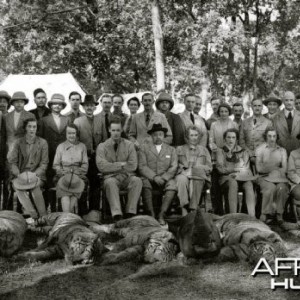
177 128
46 113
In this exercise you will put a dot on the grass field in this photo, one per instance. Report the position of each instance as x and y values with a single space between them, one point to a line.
56 280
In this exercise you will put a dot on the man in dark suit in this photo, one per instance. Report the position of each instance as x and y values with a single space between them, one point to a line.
118 102
74 112
40 100
53 129
164 103
105 114
90 133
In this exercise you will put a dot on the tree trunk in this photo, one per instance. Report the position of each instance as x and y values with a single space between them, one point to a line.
158 43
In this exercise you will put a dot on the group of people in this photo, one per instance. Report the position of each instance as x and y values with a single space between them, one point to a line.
176 154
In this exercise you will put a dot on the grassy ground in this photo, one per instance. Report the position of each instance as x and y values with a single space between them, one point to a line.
56 280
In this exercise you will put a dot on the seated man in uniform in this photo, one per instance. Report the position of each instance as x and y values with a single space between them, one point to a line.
158 166
116 158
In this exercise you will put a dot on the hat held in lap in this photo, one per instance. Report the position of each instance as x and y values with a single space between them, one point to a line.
26 181
71 183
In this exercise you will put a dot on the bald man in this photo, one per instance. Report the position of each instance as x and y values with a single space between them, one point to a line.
287 123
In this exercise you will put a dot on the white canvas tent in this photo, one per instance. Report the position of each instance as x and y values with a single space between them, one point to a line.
63 83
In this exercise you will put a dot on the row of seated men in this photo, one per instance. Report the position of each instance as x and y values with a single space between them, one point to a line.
233 145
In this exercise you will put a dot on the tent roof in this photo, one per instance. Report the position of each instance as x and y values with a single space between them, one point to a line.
63 83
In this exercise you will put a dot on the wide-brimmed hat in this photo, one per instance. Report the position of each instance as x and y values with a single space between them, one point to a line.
157 127
57 99
4 94
19 96
94 216
71 183
276 176
26 181
272 98
244 174
163 96
88 99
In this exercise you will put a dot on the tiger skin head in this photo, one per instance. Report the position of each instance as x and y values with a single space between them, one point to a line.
261 249
161 247
83 248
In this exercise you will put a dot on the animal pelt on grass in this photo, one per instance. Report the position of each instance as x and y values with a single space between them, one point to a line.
68 236
141 239
12 230
248 239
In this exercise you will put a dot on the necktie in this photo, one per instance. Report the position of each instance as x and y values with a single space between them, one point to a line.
107 125
116 147
289 121
254 121
192 118
147 119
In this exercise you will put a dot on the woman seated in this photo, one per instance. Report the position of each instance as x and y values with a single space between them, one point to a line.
28 162
71 165
271 164
233 164
194 167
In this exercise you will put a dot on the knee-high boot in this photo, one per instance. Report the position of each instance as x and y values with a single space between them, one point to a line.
166 202
148 203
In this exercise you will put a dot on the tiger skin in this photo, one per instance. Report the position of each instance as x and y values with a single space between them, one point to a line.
142 238
68 236
12 230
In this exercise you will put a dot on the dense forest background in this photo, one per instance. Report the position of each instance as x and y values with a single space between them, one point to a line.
233 48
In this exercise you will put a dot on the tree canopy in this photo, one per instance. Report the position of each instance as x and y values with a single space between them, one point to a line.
230 47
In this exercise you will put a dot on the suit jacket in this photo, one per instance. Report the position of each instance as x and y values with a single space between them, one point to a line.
270 117
185 116
177 128
251 136
54 136
287 140
3 147
138 127
108 160
91 136
72 117
152 163
13 133
19 157
46 113
104 133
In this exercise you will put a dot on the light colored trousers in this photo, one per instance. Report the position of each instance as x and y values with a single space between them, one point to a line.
112 186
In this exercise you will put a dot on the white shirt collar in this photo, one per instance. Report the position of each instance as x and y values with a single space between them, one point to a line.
286 112
158 148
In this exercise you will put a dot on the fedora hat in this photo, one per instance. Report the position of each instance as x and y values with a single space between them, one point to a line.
272 98
19 96
88 99
157 127
4 94
57 99
276 176
244 174
163 96
71 183
94 216
26 181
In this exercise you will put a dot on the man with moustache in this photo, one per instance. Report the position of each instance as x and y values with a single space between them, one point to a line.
40 99
238 110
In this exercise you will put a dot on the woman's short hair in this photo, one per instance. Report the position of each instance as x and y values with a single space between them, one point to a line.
136 99
73 126
270 128
187 132
227 106
25 123
237 134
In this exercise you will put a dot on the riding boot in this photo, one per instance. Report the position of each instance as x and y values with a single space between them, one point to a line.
166 202
147 200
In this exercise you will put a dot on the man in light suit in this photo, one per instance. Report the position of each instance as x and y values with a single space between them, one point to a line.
53 129
253 128
15 119
158 166
142 122
90 130
116 158
287 124
189 118
75 101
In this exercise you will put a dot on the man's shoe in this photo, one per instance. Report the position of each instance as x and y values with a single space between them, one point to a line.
129 215
117 218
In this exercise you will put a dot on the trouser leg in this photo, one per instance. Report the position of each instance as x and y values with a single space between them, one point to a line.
215 192
111 187
166 201
183 189
250 197
231 187
23 197
134 192
196 195
39 201
148 202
